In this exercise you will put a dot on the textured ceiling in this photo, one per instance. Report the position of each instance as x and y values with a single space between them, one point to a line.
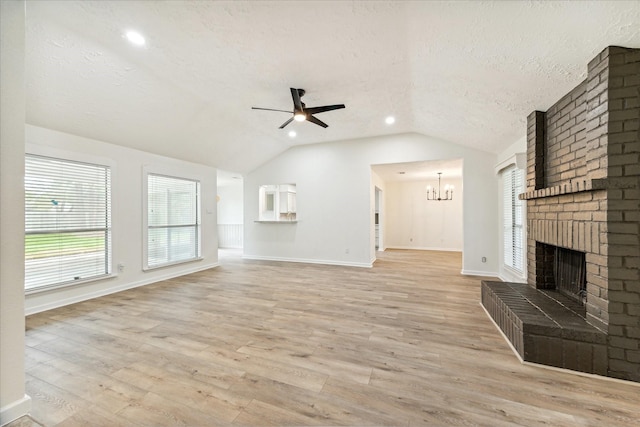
464 72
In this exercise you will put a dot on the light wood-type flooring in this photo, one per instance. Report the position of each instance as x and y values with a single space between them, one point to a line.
256 343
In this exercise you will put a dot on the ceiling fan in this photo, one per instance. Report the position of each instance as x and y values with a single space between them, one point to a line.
301 112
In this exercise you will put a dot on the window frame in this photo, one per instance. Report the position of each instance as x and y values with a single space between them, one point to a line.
147 172
513 208
73 158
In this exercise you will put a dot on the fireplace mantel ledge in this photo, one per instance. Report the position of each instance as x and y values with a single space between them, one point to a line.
568 188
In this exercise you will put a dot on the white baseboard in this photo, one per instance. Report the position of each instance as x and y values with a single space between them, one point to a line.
309 261
420 248
479 273
112 290
15 410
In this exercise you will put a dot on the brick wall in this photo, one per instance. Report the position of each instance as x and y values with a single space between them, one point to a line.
583 192
565 140
623 208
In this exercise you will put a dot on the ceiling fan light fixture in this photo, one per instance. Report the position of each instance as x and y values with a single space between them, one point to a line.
135 38
300 117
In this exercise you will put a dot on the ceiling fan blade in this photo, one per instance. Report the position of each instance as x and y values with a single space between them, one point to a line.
316 121
316 110
297 104
286 123
271 109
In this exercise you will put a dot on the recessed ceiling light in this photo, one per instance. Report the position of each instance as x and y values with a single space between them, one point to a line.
390 120
292 133
135 38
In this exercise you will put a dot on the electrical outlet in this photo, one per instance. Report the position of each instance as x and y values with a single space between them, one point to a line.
484 259
121 267
346 251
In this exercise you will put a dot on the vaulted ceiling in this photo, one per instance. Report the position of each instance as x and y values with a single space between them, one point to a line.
464 72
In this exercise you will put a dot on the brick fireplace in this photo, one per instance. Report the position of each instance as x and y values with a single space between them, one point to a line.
582 194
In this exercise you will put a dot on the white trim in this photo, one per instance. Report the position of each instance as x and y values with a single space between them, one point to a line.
15 410
264 221
115 289
171 264
479 273
309 261
47 288
518 159
36 149
509 274
420 248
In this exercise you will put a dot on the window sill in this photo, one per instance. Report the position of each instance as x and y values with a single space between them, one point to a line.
48 288
171 264
276 222
512 274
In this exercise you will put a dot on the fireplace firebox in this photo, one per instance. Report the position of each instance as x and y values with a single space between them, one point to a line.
565 270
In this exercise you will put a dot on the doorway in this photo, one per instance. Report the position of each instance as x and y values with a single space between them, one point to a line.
378 220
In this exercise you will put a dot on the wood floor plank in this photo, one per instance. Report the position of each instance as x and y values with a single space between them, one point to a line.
156 410
324 408
298 357
185 389
51 404
275 370
96 416
405 343
263 414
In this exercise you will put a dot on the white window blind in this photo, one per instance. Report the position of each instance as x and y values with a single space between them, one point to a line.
513 228
173 220
67 221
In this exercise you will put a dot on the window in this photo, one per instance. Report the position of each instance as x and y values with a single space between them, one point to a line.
67 222
513 239
173 220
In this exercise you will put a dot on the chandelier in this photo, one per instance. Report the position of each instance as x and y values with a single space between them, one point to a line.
433 195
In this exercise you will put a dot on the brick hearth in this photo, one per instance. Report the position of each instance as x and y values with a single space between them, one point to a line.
546 327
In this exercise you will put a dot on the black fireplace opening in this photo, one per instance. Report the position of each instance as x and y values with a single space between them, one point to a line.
570 273
565 270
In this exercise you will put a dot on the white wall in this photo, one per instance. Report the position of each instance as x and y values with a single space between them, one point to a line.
127 213
230 206
13 401
335 201
518 147
413 222
506 159
231 214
